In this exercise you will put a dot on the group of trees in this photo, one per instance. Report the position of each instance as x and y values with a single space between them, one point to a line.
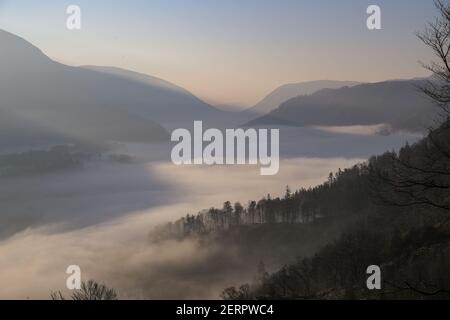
344 193
414 265
56 158
417 176
35 161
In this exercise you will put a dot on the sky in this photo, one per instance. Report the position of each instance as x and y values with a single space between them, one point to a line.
235 51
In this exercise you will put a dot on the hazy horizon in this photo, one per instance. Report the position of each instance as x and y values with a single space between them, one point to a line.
210 48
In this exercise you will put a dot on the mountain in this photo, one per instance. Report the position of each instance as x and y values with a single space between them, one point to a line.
399 104
133 76
288 91
153 98
43 100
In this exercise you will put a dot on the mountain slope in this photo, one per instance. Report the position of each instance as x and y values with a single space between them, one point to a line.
42 99
399 104
152 97
138 77
288 91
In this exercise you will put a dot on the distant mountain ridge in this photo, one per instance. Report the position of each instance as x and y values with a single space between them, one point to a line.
43 100
154 98
138 77
291 90
399 104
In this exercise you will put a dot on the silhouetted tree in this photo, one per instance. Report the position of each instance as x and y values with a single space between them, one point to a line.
89 290
422 177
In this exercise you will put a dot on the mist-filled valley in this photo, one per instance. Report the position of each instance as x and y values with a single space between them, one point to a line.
100 216
154 191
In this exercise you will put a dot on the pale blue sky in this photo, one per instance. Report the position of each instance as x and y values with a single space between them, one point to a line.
231 51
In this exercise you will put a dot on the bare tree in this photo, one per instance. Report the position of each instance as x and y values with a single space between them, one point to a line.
437 37
422 177
90 290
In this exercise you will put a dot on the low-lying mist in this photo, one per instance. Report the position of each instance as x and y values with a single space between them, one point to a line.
99 217
96 219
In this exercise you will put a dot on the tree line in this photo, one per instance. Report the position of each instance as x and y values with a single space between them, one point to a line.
346 191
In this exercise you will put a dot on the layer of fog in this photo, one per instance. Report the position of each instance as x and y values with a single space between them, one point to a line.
117 251
100 217
358 129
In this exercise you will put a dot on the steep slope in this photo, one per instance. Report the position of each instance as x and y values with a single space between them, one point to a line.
292 90
399 104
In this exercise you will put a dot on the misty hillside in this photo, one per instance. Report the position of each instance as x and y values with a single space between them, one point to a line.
45 101
399 104
391 211
292 90
154 98
139 77
402 202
